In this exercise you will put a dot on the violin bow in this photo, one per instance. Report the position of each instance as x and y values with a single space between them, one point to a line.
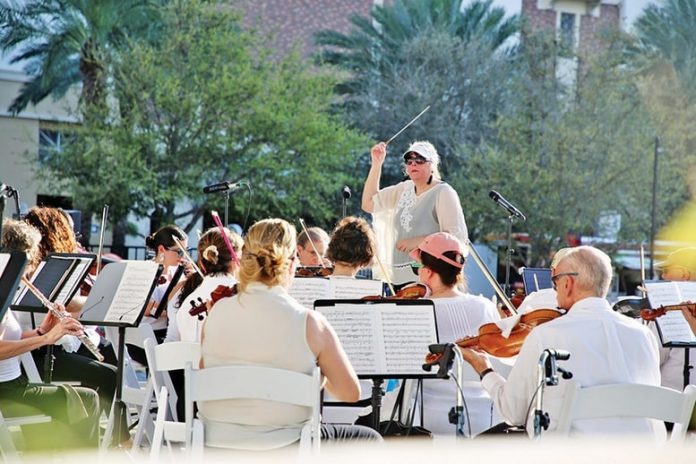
188 256
407 125
384 272
311 242
487 274
105 213
643 290
221 228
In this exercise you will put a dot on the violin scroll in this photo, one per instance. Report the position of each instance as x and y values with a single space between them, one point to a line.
198 308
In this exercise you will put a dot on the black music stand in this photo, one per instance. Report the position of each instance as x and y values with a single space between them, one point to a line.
395 331
10 275
118 299
536 278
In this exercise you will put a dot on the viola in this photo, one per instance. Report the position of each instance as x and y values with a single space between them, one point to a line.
313 271
652 314
491 340
198 308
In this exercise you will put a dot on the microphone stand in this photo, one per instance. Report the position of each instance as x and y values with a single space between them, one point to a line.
344 200
227 207
508 255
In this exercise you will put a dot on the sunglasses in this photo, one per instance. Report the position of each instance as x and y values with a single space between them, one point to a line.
415 267
415 160
562 274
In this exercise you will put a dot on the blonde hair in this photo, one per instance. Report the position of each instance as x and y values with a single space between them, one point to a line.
22 236
269 247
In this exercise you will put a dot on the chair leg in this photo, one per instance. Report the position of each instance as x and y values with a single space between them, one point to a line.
158 434
145 426
198 441
7 447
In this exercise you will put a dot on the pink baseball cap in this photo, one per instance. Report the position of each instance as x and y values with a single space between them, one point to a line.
437 244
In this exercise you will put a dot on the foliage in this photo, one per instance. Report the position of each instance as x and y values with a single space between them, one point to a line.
66 42
205 104
565 155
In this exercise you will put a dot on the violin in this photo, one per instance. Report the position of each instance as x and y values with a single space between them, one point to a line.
407 292
491 340
313 271
652 314
198 308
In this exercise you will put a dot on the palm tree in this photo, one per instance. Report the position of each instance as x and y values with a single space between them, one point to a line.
66 42
667 32
376 42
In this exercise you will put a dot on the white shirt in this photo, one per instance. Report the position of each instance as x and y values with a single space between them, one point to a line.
266 327
546 298
10 330
459 317
605 347
186 328
157 294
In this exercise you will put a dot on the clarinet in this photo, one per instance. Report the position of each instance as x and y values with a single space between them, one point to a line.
60 315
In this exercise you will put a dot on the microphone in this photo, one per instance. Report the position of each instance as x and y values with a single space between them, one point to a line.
346 192
498 198
223 187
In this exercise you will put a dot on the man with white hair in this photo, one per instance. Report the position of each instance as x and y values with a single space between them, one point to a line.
605 347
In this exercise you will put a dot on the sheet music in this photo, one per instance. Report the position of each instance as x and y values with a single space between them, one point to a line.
407 332
132 292
306 290
354 289
23 288
452 322
674 328
688 291
383 338
663 293
74 280
354 326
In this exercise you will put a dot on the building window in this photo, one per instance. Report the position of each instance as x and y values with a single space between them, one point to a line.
50 143
567 33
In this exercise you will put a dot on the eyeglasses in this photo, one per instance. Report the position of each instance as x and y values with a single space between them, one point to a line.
178 251
562 274
415 160
415 267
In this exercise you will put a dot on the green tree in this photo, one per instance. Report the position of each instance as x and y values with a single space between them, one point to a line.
206 104
566 155
68 42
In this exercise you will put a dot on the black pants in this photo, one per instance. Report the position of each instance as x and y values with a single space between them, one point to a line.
99 376
338 433
67 430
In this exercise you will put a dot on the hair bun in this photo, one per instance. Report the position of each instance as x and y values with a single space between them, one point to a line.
211 254
150 242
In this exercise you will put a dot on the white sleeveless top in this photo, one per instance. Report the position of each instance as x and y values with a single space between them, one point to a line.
263 326
10 330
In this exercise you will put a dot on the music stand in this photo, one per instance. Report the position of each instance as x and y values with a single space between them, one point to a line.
536 278
118 299
11 270
397 333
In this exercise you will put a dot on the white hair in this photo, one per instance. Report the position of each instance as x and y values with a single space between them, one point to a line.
593 267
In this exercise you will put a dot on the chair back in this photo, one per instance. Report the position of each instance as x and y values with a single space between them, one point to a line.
628 400
254 383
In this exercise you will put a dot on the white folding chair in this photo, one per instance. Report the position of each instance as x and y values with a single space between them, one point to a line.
628 400
252 383
7 445
161 359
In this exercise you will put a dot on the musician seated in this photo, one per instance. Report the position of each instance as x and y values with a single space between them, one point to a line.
604 346
218 268
680 266
263 325
311 247
439 263
70 427
352 247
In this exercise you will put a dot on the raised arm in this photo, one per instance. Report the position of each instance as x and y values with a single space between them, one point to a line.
378 153
342 382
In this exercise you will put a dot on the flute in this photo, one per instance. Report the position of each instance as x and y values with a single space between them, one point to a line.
60 315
